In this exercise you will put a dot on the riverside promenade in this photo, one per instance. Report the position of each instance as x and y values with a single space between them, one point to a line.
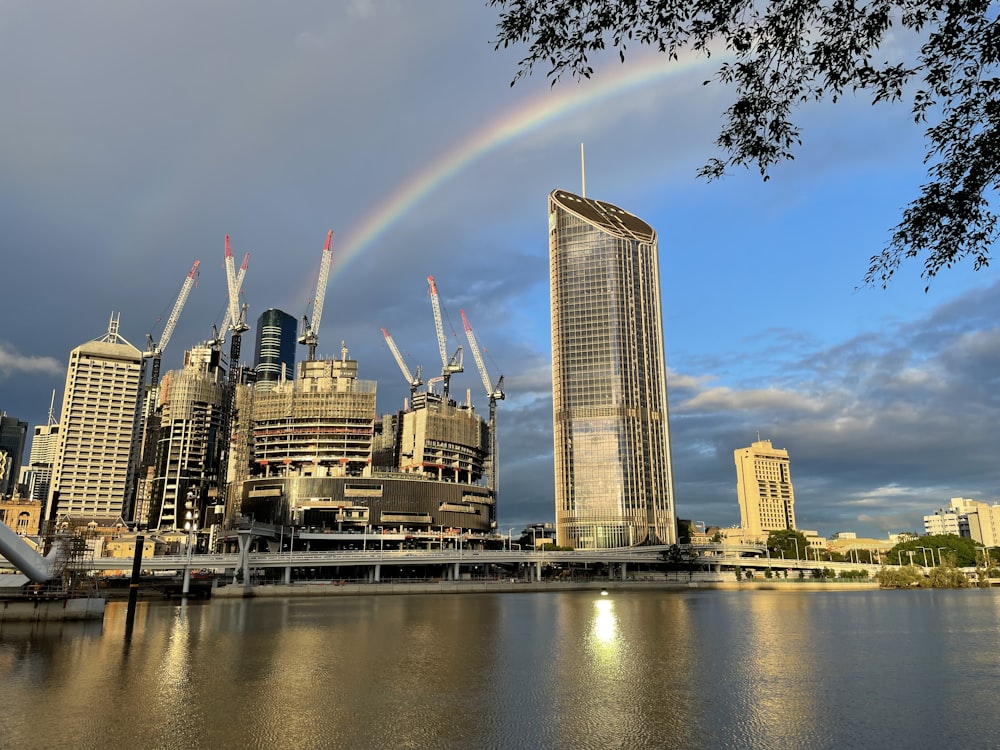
681 582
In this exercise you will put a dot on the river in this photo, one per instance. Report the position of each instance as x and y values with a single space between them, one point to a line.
636 669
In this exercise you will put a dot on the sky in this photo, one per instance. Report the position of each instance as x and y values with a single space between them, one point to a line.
135 136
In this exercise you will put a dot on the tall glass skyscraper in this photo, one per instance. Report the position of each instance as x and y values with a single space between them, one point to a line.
275 349
614 481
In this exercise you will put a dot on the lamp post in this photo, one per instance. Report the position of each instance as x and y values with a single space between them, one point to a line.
510 540
925 555
191 527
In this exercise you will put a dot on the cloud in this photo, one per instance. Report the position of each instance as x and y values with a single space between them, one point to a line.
11 362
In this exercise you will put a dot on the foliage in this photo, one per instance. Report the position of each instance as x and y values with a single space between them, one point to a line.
947 548
900 577
785 541
947 577
781 54
854 575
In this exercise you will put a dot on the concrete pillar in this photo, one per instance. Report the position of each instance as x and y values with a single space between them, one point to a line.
624 570
455 574
378 573
288 575
538 571
244 537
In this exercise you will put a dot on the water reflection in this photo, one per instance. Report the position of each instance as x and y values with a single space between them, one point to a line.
567 670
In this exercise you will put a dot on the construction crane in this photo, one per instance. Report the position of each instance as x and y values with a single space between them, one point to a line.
415 382
146 430
310 328
219 333
235 321
154 349
452 365
236 317
495 393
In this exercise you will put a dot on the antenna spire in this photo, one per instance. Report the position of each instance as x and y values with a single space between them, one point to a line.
583 175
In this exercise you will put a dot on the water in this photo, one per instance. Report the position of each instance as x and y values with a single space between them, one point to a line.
656 669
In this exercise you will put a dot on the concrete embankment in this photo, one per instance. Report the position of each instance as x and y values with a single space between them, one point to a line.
336 588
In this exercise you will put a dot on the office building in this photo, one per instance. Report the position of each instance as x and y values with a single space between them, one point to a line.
967 518
764 490
41 459
13 436
93 472
613 475
274 353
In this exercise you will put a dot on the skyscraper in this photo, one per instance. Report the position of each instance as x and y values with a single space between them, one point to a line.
764 489
42 458
189 451
93 468
614 480
275 349
13 436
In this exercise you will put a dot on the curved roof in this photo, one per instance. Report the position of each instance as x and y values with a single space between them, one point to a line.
605 216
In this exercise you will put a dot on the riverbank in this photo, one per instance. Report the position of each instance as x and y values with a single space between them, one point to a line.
388 588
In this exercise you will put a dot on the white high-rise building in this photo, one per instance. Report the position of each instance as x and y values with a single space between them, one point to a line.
41 459
92 471
764 489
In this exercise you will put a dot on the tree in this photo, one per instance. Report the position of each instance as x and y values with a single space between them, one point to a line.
788 541
781 54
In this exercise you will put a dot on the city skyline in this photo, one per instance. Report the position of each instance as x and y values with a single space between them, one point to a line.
124 162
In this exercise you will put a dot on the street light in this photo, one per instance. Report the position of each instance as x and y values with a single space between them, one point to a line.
191 527
925 554
510 539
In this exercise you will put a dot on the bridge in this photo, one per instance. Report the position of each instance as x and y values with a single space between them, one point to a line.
620 563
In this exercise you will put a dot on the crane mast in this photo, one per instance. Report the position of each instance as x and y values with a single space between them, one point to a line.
237 318
452 365
310 328
414 382
495 393
146 431
236 322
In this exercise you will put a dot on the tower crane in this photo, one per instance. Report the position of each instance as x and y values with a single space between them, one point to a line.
415 382
154 349
219 334
146 430
452 365
236 318
310 328
495 393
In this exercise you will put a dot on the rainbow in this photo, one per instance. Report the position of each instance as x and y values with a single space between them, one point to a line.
558 102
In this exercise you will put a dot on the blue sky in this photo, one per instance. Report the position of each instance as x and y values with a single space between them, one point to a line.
136 136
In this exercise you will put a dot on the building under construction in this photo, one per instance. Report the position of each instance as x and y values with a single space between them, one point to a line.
321 458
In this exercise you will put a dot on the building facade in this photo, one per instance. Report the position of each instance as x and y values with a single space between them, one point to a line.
318 457
274 353
764 489
13 436
41 459
188 452
93 470
613 473
967 518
